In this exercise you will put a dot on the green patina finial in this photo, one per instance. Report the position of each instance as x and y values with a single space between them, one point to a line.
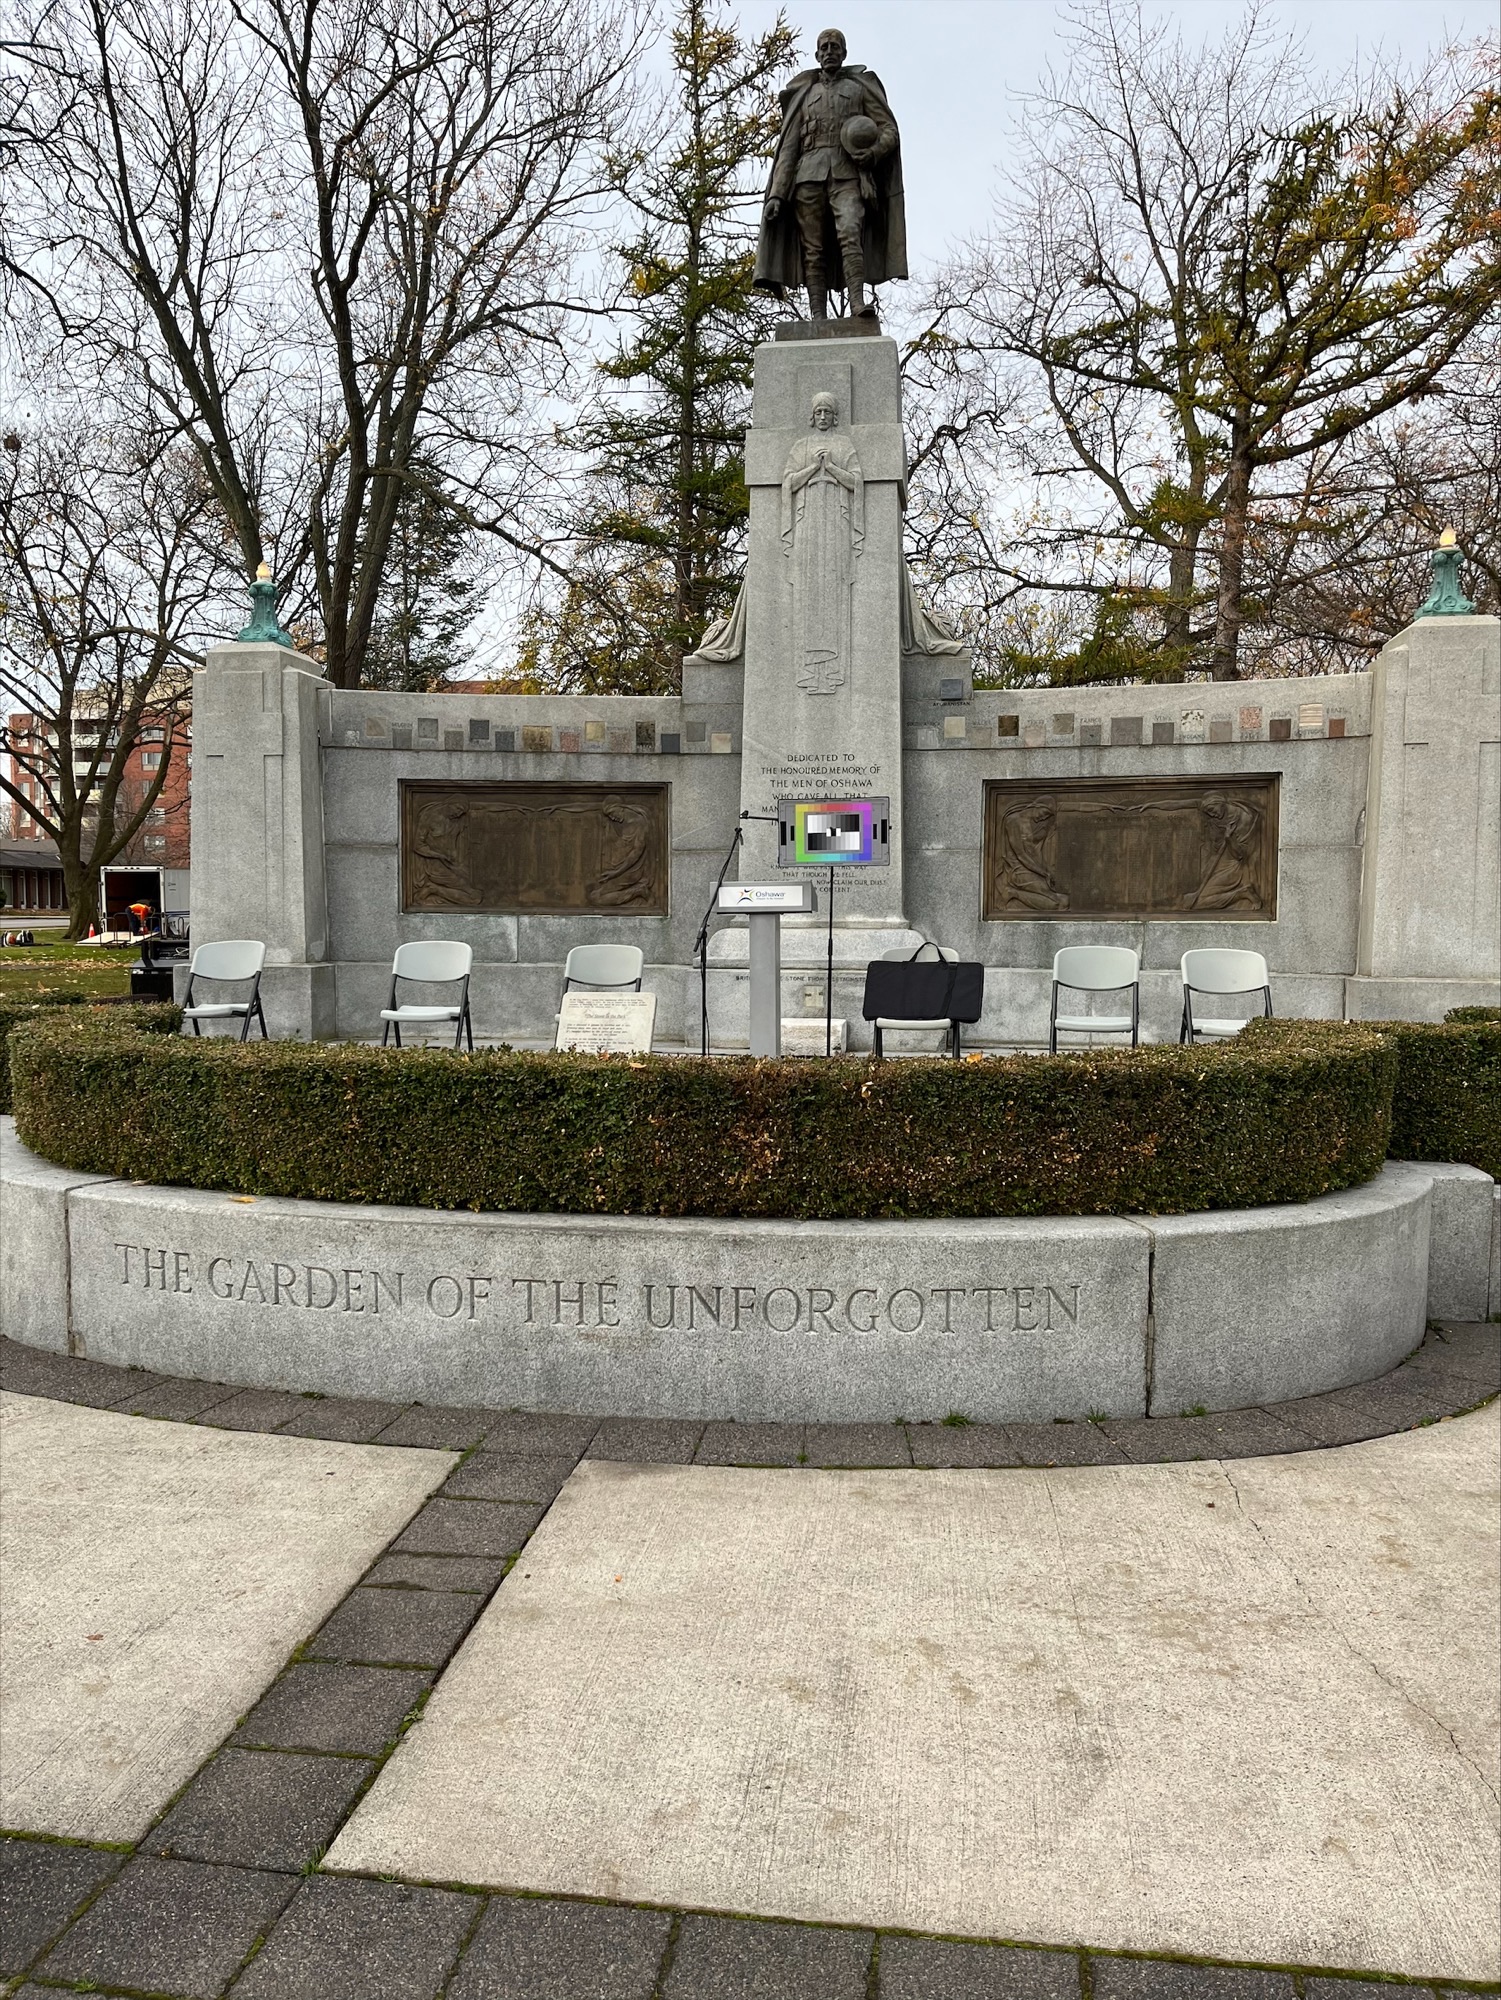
1446 599
263 628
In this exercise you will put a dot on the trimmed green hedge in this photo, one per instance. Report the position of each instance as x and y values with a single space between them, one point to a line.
13 1011
1301 1109
1447 1104
158 1017
1446 1097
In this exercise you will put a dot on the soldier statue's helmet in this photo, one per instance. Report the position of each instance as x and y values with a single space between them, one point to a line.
858 137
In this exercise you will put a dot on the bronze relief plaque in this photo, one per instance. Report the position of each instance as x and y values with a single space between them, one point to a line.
1130 847
546 850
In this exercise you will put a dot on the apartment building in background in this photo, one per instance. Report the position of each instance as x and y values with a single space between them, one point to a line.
164 840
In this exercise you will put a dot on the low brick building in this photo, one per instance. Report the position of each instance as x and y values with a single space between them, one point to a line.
31 880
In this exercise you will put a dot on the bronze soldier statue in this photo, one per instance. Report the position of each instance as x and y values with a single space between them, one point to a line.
834 209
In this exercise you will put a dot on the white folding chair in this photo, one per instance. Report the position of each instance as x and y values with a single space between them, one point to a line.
926 953
602 966
1095 968
432 962
1221 973
231 961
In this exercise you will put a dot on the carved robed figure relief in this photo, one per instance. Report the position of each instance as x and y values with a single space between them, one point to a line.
1021 877
823 531
1232 865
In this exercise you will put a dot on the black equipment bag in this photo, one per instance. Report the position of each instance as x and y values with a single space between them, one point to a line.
910 989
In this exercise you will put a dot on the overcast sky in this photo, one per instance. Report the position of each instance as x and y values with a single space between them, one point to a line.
954 70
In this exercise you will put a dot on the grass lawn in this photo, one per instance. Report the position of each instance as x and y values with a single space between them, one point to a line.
50 968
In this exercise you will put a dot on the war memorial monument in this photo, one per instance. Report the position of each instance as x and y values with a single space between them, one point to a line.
1345 827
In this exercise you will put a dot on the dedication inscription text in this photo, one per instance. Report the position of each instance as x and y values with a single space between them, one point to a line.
522 1300
544 849
1131 847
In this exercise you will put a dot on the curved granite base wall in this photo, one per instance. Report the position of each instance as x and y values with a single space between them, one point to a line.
1056 1316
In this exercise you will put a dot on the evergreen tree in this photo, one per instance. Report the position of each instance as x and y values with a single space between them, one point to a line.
428 595
660 535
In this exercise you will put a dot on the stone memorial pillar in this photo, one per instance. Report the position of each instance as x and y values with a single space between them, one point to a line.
1430 900
826 468
257 792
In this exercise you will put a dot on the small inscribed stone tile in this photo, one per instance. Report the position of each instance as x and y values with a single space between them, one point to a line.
1125 729
1336 725
1219 729
401 735
620 743
646 736
1310 715
505 739
1008 725
1090 734
1162 732
479 730
594 733
1191 725
375 725
697 731
1036 735
951 688
1063 725
955 729
671 743
721 743
453 739
536 741
1250 718
1281 729
569 740
427 729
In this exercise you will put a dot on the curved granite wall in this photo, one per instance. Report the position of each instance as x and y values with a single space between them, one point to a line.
1025 1319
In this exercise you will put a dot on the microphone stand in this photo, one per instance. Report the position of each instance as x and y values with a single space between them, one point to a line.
701 942
828 976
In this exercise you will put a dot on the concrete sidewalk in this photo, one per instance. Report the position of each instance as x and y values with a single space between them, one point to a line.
1241 1711
153 1579
1231 1708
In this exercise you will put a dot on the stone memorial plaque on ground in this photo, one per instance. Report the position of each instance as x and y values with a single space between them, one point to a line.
607 1023
804 1037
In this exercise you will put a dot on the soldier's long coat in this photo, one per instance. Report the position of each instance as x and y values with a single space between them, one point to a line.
779 250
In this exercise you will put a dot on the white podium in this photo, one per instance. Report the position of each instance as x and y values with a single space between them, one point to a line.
765 903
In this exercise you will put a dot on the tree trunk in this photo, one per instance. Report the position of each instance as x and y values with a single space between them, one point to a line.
81 882
1224 666
1177 619
1183 561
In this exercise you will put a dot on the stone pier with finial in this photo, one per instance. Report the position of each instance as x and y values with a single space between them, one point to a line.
1430 898
261 719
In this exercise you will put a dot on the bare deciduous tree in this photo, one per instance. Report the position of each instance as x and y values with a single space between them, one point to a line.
109 562
333 237
1337 560
1210 278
